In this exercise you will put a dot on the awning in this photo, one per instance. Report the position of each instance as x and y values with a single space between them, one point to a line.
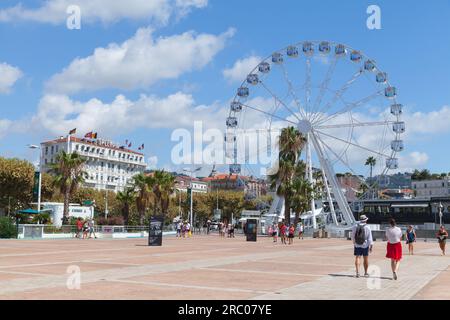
32 211
424 205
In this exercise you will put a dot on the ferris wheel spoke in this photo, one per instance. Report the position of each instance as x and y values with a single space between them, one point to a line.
292 91
324 85
279 100
355 124
349 107
353 144
339 158
338 95
268 113
308 88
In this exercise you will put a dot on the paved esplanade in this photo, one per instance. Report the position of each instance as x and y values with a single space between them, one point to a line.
214 268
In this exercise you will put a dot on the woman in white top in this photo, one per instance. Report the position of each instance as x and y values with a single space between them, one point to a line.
394 246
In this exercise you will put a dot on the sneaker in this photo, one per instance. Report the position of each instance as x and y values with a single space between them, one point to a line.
366 275
357 275
395 276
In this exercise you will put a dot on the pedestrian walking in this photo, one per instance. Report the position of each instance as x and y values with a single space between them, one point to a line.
300 230
363 244
79 228
275 232
410 239
179 227
283 233
91 225
442 236
291 234
394 246
85 230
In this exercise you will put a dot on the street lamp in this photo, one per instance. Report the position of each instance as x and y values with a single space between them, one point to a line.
36 147
192 193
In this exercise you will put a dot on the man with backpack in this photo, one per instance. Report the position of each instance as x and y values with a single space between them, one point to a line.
363 243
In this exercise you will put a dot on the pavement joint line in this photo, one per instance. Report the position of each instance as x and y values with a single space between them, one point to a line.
331 287
24 273
192 286
52 281
264 272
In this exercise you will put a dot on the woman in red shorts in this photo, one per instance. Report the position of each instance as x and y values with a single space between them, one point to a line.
394 246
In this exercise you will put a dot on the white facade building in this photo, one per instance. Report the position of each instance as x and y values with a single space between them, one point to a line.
107 167
75 210
431 188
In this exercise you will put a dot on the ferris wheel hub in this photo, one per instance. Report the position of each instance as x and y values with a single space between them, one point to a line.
304 126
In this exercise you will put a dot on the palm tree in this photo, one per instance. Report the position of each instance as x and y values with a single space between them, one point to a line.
68 174
302 192
126 198
371 161
141 187
162 186
291 143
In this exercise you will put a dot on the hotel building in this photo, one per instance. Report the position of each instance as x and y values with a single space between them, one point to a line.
107 167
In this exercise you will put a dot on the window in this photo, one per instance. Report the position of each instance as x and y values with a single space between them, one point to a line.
53 148
57 147
76 147
46 150
425 185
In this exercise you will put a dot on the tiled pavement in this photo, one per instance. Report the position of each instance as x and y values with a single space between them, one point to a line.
214 268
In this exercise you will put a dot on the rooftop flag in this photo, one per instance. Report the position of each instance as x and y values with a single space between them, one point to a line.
73 131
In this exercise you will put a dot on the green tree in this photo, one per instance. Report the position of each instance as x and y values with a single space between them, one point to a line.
68 174
291 143
126 199
16 183
371 162
141 184
161 184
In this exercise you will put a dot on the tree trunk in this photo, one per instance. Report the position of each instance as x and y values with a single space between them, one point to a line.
296 219
66 207
287 211
126 214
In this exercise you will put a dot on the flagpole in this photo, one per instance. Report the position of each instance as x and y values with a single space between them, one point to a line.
68 143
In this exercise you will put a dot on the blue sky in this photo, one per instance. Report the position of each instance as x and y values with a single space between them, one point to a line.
412 46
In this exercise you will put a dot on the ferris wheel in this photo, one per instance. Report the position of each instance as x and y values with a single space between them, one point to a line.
340 100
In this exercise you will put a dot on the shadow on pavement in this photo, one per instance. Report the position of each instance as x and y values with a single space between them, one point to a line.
353 276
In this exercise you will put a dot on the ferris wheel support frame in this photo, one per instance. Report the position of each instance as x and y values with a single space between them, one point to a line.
309 177
331 176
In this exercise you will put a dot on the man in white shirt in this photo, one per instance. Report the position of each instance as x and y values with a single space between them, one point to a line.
363 244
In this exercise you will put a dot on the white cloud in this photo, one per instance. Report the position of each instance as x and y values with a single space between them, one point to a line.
139 62
58 113
105 11
4 127
241 69
9 76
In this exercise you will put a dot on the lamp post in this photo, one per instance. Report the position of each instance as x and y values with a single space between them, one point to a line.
36 147
440 213
192 192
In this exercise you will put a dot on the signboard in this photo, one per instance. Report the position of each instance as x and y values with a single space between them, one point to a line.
155 231
217 214
251 229
36 186
197 186
88 203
